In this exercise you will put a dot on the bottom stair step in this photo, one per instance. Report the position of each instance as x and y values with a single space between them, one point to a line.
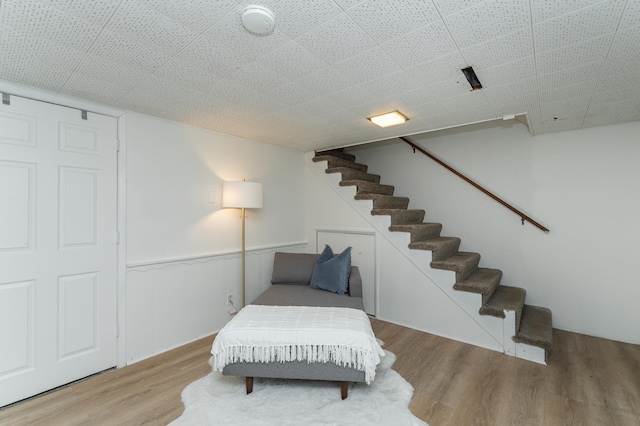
535 327
505 298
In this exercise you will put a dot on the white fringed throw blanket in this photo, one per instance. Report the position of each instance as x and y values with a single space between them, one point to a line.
342 336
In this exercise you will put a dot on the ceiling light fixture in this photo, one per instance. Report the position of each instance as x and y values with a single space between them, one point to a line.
392 118
258 20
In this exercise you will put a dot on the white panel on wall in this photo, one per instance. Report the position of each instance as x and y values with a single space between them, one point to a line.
17 129
81 139
17 205
77 310
78 206
16 327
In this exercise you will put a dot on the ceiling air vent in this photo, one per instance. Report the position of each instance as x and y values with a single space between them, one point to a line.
472 78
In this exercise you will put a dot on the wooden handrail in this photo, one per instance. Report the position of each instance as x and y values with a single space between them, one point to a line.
523 216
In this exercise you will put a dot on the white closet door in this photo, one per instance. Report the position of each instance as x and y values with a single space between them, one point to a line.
363 255
58 211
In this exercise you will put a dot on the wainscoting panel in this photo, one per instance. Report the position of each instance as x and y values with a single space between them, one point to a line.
173 302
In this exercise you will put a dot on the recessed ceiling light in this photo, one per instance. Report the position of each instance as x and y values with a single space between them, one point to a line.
389 119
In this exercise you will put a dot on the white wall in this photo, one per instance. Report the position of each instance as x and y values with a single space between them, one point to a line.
582 185
182 251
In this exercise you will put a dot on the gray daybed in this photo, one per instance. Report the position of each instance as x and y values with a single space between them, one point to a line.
290 287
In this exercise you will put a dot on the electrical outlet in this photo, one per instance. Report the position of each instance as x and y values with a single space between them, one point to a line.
230 299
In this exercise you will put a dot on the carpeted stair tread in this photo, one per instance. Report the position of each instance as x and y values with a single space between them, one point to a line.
505 298
461 262
481 281
340 162
535 327
337 153
441 247
400 216
385 201
351 174
419 231
365 187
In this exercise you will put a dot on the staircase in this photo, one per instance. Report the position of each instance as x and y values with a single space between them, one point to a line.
531 325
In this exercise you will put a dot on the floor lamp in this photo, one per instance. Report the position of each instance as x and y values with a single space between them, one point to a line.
242 195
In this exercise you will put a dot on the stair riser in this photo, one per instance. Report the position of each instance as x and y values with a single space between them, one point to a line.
339 162
370 187
350 174
425 234
407 217
391 203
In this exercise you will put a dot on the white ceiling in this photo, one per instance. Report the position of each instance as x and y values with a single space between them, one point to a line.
330 64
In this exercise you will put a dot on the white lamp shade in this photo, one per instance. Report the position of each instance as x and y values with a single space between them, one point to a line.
246 195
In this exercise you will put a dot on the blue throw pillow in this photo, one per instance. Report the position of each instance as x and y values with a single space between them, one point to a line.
331 272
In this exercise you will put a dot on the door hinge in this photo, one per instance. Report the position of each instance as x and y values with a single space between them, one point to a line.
117 145
117 330
6 99
117 237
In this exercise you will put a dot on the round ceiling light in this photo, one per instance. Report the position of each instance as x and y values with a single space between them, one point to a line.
258 20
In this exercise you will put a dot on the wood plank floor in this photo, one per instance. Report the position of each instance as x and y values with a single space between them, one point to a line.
589 381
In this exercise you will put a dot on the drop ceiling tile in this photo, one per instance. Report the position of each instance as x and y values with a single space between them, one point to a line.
113 46
186 75
561 125
500 50
389 85
584 24
20 49
570 76
94 89
619 82
565 109
146 26
604 120
631 15
447 7
521 69
351 97
43 21
258 77
384 20
440 69
518 88
592 50
292 61
325 81
516 105
96 12
197 15
380 106
469 115
623 95
336 40
426 110
623 55
583 89
50 78
346 4
199 53
622 107
421 45
295 17
543 10
368 65
291 94
488 20
319 106
448 88
231 91
475 99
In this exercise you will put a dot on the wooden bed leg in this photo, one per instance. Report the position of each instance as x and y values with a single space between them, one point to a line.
250 385
344 388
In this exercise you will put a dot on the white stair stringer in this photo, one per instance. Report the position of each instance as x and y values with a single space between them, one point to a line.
500 330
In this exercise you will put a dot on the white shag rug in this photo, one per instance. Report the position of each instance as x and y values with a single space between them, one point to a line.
222 400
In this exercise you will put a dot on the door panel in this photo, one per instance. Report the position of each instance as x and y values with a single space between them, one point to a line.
58 207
